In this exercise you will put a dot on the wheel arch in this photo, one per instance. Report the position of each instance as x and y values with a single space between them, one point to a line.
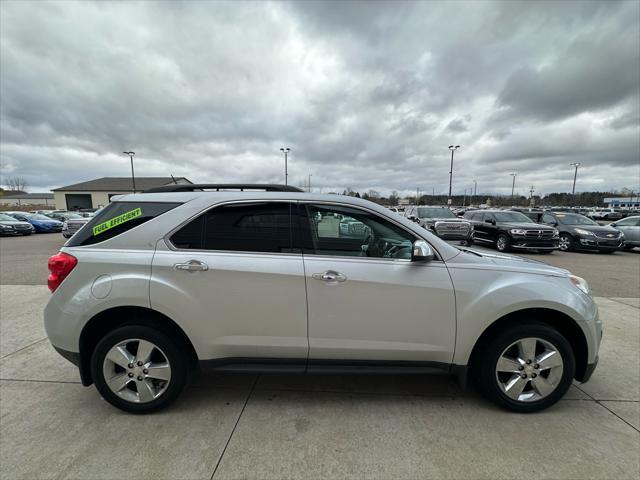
562 322
108 320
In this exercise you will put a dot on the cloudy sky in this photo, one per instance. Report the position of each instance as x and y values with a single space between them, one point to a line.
366 95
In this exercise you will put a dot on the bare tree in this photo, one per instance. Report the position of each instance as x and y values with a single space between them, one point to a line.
16 183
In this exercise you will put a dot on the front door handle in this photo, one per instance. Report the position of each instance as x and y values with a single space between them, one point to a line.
192 266
330 276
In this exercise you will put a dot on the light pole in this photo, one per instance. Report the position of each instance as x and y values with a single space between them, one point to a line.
453 149
133 176
285 150
513 186
475 187
531 190
575 176
309 183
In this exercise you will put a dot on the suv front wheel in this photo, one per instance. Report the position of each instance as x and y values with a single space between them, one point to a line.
138 369
527 368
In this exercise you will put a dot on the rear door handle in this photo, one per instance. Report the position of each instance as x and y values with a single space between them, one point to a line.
330 276
192 266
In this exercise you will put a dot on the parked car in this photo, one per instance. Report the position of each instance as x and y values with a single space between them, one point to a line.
11 226
62 216
41 223
508 230
578 232
73 224
630 227
441 221
161 283
605 214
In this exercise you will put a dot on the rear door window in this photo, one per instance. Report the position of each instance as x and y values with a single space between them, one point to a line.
117 218
263 227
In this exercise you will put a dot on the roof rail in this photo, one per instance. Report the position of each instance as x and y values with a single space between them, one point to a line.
191 187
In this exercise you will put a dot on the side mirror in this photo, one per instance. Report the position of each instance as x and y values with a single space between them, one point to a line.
613 225
421 252
492 222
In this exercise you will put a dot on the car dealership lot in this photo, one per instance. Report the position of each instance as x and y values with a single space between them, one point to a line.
315 426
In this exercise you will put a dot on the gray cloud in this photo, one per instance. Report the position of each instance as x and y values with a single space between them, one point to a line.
367 95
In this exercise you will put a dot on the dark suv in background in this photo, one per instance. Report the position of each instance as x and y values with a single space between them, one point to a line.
508 230
442 222
578 232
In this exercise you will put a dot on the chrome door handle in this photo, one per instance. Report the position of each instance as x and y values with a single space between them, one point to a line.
330 276
192 266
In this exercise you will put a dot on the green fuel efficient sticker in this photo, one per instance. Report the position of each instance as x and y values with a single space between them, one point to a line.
114 222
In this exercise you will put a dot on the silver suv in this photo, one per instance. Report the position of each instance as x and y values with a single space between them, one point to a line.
160 284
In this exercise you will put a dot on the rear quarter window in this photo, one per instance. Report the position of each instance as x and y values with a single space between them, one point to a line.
117 218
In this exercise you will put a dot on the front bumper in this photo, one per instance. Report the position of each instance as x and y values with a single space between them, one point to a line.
589 371
527 244
594 243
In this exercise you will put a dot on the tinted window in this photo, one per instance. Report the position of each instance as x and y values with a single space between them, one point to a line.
346 231
246 227
427 212
546 218
508 217
116 218
629 222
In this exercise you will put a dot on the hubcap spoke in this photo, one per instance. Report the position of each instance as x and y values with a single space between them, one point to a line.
119 382
506 364
144 351
527 348
549 359
160 371
145 391
542 386
120 356
514 387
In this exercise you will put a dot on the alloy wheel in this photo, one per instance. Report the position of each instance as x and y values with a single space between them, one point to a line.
501 243
529 369
136 370
564 243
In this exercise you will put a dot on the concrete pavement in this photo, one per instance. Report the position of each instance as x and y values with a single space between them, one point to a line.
310 426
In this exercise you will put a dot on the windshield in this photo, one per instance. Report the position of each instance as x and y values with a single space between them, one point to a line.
6 218
574 219
512 217
435 212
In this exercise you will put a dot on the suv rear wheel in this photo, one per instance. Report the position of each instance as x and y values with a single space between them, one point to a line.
527 368
138 369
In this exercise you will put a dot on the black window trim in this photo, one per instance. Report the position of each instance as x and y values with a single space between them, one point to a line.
171 246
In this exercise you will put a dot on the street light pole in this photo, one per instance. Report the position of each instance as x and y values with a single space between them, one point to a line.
513 186
285 150
309 183
531 190
575 176
133 176
453 149
475 187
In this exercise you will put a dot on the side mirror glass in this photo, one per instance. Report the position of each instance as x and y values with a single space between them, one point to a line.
492 222
421 252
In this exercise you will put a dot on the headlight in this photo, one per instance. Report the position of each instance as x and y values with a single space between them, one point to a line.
556 233
517 231
586 233
65 226
621 235
581 283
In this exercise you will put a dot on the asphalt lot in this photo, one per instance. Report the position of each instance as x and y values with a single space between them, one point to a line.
23 261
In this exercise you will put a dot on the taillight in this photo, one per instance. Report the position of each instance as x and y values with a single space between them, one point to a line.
60 265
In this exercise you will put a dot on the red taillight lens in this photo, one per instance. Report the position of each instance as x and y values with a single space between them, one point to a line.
60 265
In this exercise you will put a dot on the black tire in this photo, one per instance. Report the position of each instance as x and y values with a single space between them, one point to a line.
507 243
565 237
487 377
177 360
